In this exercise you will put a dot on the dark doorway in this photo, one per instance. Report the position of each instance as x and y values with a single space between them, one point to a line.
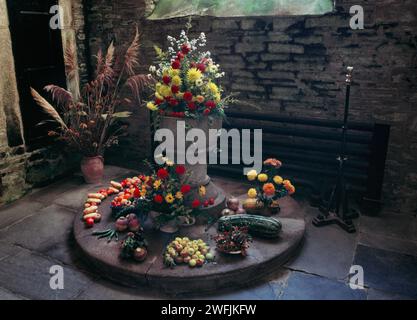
39 61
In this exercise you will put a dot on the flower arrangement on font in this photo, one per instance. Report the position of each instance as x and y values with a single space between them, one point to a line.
187 80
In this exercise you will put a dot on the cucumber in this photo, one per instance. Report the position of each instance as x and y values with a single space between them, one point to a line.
264 227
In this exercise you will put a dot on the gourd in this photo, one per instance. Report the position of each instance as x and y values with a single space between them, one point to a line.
264 227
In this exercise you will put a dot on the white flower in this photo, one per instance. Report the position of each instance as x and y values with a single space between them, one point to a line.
152 69
199 83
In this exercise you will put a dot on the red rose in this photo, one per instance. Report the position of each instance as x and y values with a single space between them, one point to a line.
173 102
180 56
180 170
166 79
175 89
210 104
188 96
158 199
192 106
185 188
196 203
207 112
202 67
185 49
162 174
176 64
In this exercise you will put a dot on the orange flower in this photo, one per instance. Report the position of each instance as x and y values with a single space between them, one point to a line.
273 162
269 189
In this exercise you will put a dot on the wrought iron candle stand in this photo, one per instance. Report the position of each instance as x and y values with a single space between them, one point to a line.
336 209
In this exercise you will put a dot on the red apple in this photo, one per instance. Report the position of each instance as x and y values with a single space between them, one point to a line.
140 254
122 224
89 223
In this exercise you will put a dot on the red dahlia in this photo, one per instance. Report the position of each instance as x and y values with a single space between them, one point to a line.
202 67
188 96
173 102
175 89
162 173
185 49
210 104
137 194
158 101
185 188
192 106
207 112
158 199
166 79
176 64
180 56
180 170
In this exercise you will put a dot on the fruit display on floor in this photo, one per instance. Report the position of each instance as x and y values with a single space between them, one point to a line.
194 253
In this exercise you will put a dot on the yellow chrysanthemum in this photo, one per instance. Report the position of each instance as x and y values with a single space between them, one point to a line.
213 88
252 193
176 80
174 72
263 177
158 96
169 198
179 195
165 91
218 98
151 106
193 75
278 180
252 175
202 191
157 184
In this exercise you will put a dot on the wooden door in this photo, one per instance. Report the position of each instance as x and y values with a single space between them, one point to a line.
39 61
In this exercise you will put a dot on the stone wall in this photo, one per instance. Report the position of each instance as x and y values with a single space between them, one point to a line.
295 66
21 170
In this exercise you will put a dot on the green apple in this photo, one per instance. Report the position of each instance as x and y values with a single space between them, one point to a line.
210 256
192 263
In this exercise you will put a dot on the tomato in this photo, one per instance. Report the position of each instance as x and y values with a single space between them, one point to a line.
89 223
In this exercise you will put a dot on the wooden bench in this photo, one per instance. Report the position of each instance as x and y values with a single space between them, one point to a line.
309 148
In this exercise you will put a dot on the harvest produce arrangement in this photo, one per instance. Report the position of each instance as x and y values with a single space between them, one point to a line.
165 191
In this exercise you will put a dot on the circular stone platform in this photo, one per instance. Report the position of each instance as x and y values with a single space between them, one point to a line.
264 256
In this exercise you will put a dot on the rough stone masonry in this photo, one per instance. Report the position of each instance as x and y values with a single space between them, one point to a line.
293 66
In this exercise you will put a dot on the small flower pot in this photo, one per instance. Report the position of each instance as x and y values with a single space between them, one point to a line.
92 169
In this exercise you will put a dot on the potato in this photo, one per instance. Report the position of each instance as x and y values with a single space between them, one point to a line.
96 216
94 201
96 196
116 185
91 210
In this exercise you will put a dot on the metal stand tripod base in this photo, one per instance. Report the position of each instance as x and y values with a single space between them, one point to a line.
332 218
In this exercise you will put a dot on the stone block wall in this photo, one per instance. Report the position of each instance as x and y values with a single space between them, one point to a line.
296 66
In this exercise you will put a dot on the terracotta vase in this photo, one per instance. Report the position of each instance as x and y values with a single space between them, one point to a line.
92 169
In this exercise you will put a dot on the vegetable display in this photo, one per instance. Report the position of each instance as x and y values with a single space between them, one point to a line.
265 227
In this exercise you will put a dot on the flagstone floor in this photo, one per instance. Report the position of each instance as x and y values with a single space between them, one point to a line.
36 233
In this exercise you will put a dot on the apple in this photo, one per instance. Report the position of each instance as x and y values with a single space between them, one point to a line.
187 260
209 256
140 254
121 224
191 251
200 262
233 204
179 260
184 253
192 263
